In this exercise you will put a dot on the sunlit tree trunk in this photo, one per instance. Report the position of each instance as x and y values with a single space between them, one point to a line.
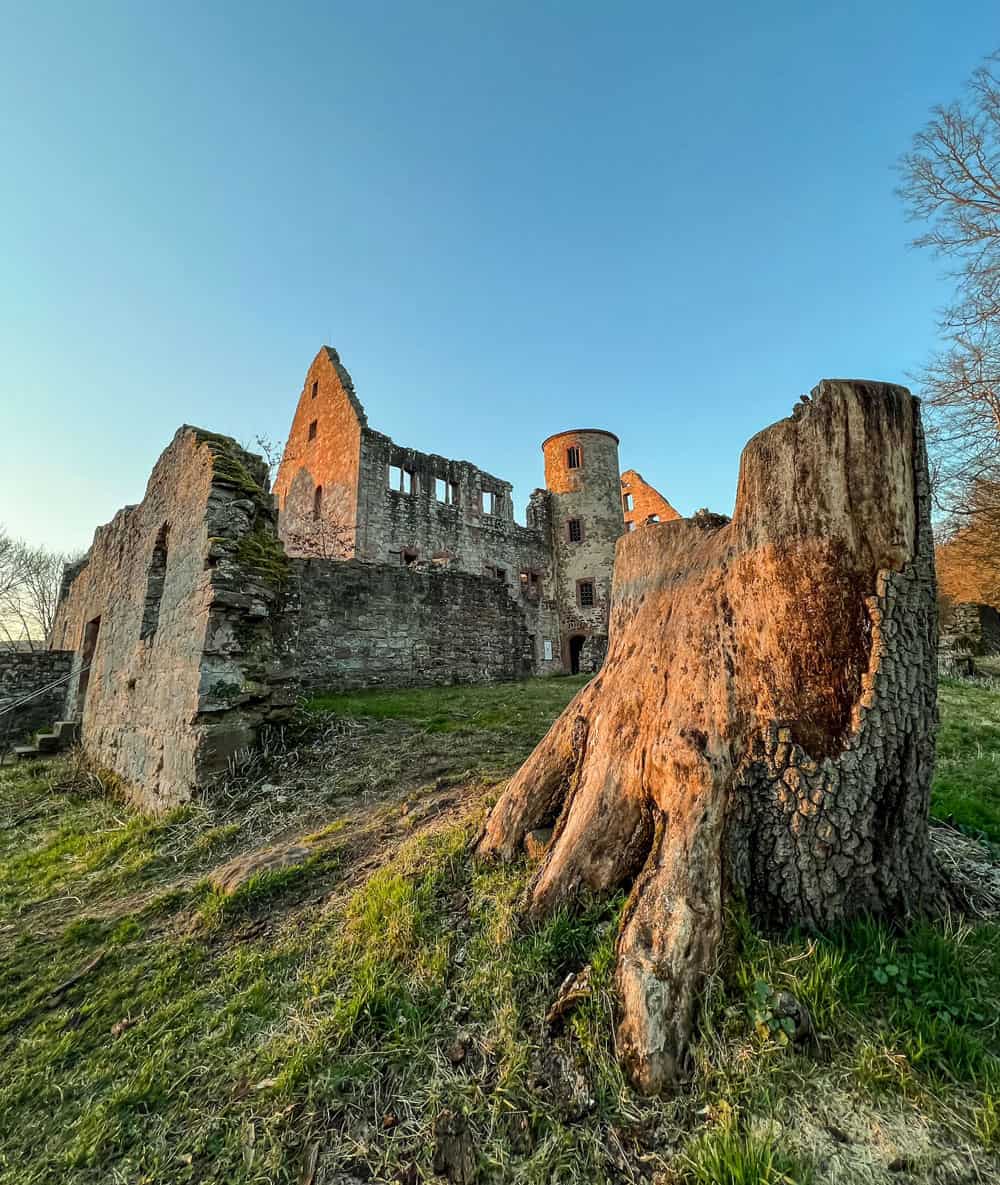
763 727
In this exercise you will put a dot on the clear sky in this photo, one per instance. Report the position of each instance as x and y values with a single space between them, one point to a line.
510 218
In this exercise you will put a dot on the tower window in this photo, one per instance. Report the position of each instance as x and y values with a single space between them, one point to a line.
629 502
574 530
312 429
585 594
315 388
573 457
318 502
492 502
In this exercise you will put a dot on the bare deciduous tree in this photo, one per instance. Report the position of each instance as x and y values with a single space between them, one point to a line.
29 591
951 182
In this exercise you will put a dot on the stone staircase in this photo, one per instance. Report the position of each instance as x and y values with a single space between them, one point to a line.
49 744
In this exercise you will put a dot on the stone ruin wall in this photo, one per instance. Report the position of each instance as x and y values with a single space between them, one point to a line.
323 450
641 502
177 599
459 534
357 625
21 673
971 629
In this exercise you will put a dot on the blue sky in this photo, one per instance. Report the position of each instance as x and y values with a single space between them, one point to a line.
509 218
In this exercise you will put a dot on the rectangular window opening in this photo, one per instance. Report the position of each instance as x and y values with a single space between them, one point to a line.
629 502
315 388
395 477
573 457
155 580
312 429
318 504
586 593
574 528
409 481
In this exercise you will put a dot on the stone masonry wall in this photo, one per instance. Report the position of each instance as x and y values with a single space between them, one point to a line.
646 502
323 451
25 671
174 607
971 628
357 625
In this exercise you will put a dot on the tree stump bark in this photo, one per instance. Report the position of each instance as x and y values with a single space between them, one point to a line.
764 724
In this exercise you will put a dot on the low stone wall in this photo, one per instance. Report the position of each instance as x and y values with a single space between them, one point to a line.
356 625
24 671
971 629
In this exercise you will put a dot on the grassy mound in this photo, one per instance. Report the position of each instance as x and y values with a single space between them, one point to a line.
377 1014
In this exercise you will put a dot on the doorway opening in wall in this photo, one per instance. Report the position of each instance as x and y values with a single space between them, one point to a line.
575 649
87 651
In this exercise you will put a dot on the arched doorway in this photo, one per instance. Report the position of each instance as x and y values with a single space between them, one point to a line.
575 647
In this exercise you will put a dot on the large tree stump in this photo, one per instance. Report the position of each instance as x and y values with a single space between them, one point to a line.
763 726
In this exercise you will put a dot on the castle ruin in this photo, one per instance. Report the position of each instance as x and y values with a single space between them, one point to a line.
199 614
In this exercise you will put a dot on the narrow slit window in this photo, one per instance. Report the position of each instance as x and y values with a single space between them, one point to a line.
155 580
586 588
315 388
574 529
312 429
453 488
573 457
409 481
318 503
489 502
629 502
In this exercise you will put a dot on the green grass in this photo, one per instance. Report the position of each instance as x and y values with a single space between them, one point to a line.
967 778
525 709
328 1015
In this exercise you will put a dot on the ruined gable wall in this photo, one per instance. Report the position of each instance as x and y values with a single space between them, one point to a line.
646 501
382 625
164 711
331 459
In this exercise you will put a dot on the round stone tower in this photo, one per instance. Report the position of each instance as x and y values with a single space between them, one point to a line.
585 492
